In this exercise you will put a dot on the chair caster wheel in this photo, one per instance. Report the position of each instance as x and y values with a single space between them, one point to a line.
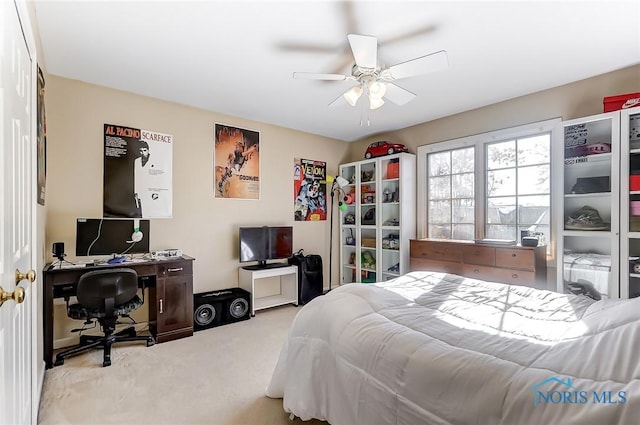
150 342
58 362
106 363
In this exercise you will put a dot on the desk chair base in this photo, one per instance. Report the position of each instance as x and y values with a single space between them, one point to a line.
88 342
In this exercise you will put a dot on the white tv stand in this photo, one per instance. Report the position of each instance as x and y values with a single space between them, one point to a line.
288 286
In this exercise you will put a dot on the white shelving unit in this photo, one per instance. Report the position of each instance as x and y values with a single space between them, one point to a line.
629 220
579 134
248 279
619 245
379 220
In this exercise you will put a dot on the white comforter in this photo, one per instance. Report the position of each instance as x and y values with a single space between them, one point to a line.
433 348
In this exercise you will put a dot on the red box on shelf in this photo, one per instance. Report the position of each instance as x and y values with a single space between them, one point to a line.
393 170
621 101
634 182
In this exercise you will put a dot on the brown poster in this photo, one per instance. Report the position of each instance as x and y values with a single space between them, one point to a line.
237 163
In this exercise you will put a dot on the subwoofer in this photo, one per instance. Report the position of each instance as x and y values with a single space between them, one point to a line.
216 308
207 311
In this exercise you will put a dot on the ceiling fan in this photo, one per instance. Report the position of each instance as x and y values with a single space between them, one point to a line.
375 80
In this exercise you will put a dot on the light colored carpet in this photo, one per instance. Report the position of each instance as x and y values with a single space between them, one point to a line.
218 376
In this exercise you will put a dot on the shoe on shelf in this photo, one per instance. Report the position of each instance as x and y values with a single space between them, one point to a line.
586 218
598 148
394 268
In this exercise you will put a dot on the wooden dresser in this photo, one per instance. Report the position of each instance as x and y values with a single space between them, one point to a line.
512 264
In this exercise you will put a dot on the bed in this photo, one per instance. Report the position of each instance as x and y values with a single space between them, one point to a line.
436 348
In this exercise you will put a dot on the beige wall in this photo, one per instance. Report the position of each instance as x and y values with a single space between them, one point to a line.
203 227
575 100
206 228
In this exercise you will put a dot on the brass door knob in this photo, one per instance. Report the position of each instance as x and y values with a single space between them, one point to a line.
17 295
30 276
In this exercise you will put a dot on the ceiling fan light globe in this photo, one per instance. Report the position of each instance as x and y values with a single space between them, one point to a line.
375 102
353 95
377 89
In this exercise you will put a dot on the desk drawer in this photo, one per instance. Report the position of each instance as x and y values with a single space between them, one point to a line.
515 258
177 268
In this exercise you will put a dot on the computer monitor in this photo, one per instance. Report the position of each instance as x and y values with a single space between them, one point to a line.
106 236
265 243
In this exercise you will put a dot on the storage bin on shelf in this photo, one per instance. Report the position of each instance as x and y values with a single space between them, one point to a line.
369 242
393 169
621 101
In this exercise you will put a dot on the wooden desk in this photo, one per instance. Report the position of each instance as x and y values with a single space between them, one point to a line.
170 284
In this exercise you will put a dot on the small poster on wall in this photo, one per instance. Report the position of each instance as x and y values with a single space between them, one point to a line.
237 162
309 190
137 173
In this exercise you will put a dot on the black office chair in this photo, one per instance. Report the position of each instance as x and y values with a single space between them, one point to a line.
105 295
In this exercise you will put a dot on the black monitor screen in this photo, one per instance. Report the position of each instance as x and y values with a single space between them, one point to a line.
96 236
281 242
265 243
254 243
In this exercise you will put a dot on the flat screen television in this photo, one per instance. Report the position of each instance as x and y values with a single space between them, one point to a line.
265 243
106 236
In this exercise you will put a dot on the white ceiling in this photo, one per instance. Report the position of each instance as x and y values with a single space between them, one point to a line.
237 57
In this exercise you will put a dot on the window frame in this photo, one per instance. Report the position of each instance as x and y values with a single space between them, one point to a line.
478 141
450 175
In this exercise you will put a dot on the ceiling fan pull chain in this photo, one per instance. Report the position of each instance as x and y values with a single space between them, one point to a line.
366 109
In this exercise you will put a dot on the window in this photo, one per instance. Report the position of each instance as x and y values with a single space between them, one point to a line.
518 188
494 185
450 194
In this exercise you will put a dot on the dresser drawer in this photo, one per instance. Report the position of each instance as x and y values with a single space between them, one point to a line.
515 277
424 264
493 274
435 250
483 255
515 258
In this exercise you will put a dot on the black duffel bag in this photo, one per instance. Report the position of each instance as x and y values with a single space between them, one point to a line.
310 283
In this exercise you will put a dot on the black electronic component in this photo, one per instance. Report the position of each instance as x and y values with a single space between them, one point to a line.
97 236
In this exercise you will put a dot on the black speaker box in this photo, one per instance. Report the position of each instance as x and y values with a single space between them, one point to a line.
216 308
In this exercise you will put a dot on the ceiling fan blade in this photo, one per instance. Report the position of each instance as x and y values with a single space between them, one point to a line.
398 95
316 76
339 101
306 48
408 35
423 65
365 50
347 10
